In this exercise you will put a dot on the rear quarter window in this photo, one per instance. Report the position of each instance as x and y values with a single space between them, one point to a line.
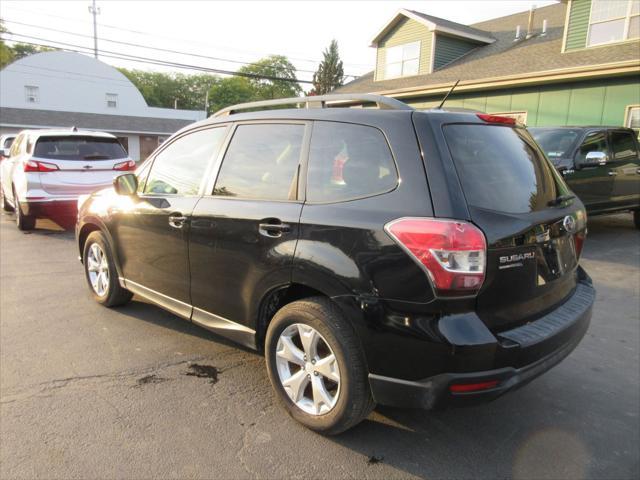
499 168
348 161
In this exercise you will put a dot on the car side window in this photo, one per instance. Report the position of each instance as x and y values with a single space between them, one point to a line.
623 146
594 142
15 147
348 161
262 162
180 168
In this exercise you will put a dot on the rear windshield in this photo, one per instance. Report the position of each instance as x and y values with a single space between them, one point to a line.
79 148
500 169
555 143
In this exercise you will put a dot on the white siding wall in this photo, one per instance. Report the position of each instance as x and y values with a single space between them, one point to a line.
73 82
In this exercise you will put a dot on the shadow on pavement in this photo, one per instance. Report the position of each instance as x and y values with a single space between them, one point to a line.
148 312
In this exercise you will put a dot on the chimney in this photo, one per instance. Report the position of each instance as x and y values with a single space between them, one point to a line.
530 23
544 28
517 34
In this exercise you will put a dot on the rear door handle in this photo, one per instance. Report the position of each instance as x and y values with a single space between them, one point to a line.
612 174
177 220
273 230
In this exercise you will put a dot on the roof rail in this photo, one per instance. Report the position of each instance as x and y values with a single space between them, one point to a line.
320 101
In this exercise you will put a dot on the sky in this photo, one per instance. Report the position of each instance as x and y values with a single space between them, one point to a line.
241 31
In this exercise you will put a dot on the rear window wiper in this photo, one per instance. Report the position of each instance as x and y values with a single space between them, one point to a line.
561 199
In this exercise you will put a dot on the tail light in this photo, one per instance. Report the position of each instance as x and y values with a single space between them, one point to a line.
496 119
581 234
35 166
125 166
452 252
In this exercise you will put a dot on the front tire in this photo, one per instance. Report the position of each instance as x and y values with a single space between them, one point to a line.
100 272
317 367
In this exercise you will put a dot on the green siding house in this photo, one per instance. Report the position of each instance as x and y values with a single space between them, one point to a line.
573 63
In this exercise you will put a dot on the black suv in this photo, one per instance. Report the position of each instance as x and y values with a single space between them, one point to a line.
600 164
393 256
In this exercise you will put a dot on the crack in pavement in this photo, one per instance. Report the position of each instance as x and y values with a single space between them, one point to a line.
40 389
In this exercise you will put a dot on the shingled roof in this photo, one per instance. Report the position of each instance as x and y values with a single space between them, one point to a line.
29 117
436 24
506 57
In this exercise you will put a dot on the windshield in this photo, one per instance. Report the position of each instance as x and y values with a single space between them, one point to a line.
555 142
7 142
79 148
500 168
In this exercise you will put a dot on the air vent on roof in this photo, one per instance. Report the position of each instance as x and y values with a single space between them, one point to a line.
518 34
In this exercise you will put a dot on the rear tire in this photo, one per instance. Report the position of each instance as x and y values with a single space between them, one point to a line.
327 385
23 222
636 218
100 272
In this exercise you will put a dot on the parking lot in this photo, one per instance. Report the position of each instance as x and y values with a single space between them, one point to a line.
88 392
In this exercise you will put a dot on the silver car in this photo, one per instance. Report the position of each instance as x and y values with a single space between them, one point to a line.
48 170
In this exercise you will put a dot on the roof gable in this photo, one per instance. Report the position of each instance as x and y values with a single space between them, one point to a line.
434 24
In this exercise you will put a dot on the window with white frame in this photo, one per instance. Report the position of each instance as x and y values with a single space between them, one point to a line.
112 100
31 93
613 21
402 60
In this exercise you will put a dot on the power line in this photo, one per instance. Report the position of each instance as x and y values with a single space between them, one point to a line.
156 61
166 50
138 32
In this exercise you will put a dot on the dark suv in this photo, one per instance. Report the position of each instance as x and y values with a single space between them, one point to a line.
600 164
393 256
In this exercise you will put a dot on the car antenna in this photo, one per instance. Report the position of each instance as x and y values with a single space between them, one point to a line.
447 95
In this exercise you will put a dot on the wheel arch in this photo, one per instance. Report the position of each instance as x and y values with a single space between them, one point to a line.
283 295
277 298
93 224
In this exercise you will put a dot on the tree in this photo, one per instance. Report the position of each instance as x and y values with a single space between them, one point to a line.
330 73
274 67
229 91
21 50
6 54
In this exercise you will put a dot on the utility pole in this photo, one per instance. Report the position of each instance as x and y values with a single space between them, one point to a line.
93 10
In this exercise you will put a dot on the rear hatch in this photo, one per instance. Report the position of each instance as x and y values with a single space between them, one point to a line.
75 165
533 226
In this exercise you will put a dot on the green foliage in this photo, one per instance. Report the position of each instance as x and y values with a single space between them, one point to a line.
330 73
162 89
6 55
274 66
230 91
16 51
21 50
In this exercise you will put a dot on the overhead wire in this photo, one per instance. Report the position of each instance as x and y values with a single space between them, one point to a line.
138 32
152 61
159 49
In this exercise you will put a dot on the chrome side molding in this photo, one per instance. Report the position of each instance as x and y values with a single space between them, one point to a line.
215 323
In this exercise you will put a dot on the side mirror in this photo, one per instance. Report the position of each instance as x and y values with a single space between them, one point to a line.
126 184
5 152
592 159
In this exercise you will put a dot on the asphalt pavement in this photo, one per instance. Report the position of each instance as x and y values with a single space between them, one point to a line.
136 392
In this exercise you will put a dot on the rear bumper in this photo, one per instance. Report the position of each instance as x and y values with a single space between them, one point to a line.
548 341
67 206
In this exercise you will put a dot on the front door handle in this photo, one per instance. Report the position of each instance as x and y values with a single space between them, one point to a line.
273 230
612 174
177 220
